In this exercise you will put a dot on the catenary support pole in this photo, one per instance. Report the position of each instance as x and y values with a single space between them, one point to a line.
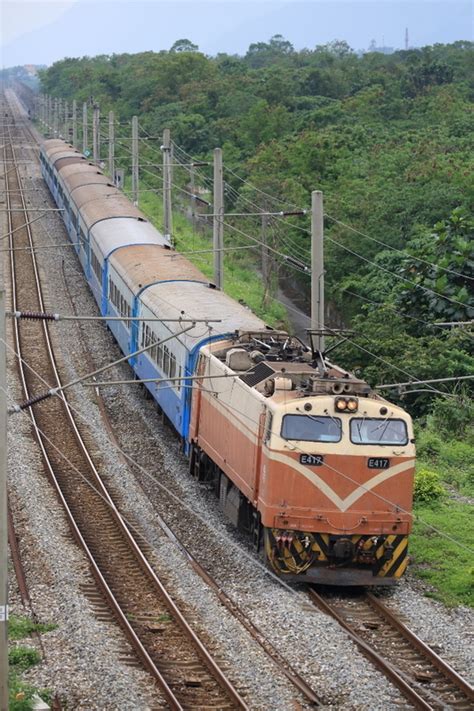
95 135
218 224
55 118
112 146
317 267
74 123
60 119
135 167
85 139
51 116
167 216
192 188
67 136
3 508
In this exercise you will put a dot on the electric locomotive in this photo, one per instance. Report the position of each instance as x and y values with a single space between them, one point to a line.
307 458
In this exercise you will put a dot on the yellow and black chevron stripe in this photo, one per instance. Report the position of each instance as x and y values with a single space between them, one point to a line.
388 553
398 561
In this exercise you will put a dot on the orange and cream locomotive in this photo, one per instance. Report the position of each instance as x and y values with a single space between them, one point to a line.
307 458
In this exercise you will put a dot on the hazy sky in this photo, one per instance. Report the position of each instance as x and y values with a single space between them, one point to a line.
39 32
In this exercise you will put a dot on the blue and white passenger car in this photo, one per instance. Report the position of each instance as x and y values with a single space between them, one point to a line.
133 272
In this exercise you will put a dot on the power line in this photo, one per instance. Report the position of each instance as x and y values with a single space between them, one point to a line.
397 276
254 422
400 251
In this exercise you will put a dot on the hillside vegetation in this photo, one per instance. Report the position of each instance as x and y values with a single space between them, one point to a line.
389 139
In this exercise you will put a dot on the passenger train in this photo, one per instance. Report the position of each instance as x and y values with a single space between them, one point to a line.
303 456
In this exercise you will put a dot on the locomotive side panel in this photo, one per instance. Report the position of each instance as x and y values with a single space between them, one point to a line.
229 433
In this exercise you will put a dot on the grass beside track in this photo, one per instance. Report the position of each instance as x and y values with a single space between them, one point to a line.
446 567
21 658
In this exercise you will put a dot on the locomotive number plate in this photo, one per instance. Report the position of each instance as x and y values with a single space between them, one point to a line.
313 460
378 463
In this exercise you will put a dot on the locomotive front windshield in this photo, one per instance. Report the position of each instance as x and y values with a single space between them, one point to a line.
311 428
378 431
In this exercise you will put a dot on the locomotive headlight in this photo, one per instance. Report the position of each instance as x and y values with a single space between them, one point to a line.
352 404
346 404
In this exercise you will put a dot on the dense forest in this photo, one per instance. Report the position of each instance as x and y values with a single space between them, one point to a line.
389 139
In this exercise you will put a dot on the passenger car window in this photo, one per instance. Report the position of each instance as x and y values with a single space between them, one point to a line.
378 431
311 428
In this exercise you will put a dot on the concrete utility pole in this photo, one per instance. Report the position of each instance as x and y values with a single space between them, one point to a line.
96 135
55 118
66 122
218 224
317 266
84 127
112 145
50 115
135 169
60 119
3 508
74 123
167 216
267 261
192 188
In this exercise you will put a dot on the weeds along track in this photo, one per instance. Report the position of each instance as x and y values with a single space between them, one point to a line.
167 647
424 679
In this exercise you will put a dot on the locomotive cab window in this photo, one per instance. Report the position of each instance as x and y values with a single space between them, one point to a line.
365 430
311 428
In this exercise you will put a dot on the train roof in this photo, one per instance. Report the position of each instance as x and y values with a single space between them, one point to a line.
145 264
52 144
102 202
79 173
93 177
83 168
111 235
191 299
54 152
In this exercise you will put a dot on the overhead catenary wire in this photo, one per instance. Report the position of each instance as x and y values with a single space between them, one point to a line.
400 251
160 485
244 414
301 266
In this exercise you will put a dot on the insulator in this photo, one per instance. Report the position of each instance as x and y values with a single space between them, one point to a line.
32 401
36 316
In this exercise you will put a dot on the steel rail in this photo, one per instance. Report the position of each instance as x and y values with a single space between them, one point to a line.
418 643
129 631
399 677
146 660
385 667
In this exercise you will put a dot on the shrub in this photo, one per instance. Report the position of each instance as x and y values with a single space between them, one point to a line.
457 454
428 444
453 417
428 488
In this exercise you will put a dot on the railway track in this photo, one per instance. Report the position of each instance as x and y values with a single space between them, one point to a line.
424 679
179 662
